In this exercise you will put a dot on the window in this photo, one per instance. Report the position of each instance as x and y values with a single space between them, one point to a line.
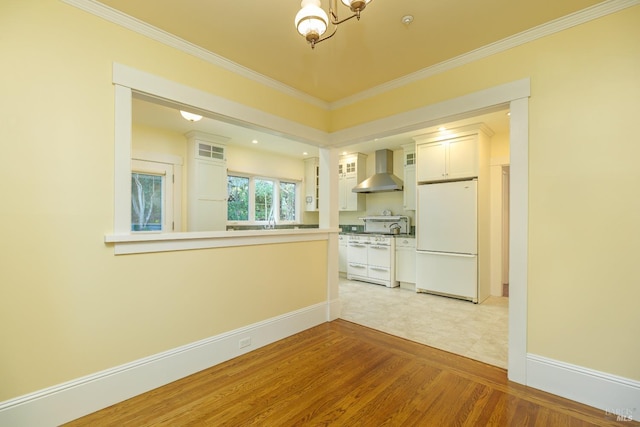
152 197
260 200
263 201
237 198
287 201
146 202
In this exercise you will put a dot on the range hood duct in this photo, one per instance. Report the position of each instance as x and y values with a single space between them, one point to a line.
384 179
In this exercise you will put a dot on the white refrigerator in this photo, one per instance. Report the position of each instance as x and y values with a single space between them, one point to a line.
447 239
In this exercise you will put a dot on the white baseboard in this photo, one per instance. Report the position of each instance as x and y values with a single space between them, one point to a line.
74 399
334 309
616 395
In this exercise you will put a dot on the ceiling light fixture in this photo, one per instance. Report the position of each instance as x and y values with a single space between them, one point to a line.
190 116
312 22
407 20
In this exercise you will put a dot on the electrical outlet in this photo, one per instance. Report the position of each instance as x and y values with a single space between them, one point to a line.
245 342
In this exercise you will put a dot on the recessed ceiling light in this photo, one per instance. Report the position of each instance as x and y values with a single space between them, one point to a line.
407 20
305 154
255 141
442 128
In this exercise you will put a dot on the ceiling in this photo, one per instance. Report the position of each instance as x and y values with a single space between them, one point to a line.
260 35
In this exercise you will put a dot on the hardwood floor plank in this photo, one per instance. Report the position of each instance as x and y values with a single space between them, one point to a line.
342 374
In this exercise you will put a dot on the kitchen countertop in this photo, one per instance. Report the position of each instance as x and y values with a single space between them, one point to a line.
347 233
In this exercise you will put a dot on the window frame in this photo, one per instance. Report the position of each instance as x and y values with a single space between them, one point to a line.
158 163
276 199
165 172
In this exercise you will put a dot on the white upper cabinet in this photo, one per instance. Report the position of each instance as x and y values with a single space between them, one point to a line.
409 191
463 158
206 183
448 159
351 172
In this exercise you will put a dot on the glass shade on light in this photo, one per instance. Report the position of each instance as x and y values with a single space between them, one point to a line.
311 20
356 5
190 116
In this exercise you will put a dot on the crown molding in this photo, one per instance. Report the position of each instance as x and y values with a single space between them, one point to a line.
115 16
597 11
549 28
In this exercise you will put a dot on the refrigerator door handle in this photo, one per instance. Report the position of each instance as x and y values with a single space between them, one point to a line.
447 254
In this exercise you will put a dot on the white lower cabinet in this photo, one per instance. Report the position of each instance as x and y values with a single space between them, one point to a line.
406 260
342 253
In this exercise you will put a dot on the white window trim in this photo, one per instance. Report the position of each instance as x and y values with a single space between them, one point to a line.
165 171
298 196
176 163
127 80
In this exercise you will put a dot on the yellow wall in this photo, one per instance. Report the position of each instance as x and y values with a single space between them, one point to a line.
264 163
153 140
500 146
69 307
583 175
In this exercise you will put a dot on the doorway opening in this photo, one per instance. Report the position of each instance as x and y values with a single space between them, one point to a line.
449 324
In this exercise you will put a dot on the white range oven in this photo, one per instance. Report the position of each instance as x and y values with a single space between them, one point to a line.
371 255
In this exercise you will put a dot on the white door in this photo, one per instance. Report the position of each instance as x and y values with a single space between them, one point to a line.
449 274
447 217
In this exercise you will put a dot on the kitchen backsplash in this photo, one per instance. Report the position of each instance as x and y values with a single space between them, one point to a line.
376 204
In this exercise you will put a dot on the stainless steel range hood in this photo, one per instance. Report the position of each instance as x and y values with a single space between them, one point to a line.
384 179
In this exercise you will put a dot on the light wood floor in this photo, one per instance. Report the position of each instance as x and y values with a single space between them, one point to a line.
343 374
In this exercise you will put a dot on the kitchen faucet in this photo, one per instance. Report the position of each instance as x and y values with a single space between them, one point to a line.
271 221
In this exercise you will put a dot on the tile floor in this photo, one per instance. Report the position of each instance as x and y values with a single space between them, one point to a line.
477 331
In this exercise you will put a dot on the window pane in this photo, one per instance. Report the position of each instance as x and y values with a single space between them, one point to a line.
146 202
237 198
264 200
287 201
